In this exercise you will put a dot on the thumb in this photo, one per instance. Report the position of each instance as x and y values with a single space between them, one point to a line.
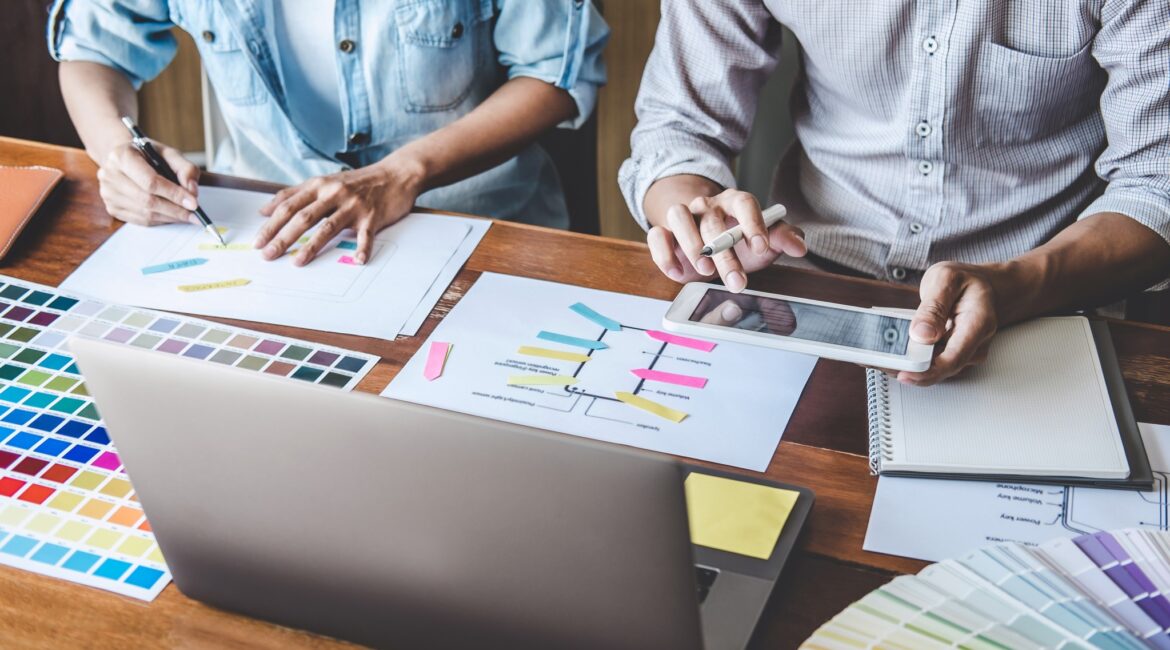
939 290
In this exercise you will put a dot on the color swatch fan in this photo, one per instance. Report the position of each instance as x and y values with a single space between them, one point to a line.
1103 590
67 509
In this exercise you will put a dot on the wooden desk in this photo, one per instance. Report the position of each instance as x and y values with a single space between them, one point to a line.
823 447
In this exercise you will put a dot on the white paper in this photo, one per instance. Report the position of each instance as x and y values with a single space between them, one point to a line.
934 519
479 228
737 419
371 300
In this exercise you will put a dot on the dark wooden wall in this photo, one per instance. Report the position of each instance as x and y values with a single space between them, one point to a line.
31 105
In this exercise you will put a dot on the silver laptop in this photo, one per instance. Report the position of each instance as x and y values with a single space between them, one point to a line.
391 524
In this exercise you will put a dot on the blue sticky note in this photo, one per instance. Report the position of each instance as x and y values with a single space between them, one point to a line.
144 577
572 340
19 545
49 554
80 561
172 266
347 245
112 569
607 323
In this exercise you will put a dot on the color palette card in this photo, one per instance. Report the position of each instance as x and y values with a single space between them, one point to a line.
67 509
1099 590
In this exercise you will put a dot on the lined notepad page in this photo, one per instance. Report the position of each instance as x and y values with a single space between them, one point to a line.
1039 405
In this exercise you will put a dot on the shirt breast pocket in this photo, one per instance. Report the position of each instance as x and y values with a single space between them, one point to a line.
440 52
1021 96
228 65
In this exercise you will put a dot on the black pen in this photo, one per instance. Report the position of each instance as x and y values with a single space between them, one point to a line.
160 165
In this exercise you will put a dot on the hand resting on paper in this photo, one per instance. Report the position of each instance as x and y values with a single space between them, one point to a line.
366 199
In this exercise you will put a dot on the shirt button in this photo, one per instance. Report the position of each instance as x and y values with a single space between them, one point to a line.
915 228
899 273
457 30
925 166
930 45
923 129
346 46
359 138
208 36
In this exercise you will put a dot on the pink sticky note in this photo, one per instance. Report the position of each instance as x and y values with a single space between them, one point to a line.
346 259
671 378
436 359
108 460
667 337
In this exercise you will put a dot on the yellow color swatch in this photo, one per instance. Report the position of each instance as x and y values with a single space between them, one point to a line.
135 546
42 523
553 354
155 555
116 488
661 410
103 538
87 480
736 516
73 531
65 501
226 247
95 509
13 515
223 284
541 380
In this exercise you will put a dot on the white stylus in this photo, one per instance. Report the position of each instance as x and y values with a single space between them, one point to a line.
729 238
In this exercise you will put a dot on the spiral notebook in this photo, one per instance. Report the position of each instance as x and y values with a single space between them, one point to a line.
1048 406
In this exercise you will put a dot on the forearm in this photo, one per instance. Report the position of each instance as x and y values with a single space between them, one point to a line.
499 128
97 97
675 190
1095 261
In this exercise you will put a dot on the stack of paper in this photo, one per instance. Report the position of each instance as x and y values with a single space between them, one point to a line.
179 268
1104 590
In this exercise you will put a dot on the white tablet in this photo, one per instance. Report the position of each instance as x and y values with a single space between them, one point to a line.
867 336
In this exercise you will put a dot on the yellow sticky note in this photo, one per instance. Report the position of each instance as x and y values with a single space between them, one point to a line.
736 516
541 380
661 410
553 354
238 282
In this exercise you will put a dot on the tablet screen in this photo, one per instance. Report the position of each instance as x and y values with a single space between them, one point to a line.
800 320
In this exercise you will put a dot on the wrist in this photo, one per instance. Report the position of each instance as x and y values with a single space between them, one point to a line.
1018 289
408 170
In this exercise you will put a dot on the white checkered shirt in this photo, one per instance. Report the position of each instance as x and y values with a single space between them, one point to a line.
929 131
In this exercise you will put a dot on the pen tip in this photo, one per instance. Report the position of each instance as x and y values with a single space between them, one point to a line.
706 252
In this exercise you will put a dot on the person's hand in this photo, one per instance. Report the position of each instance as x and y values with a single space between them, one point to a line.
133 192
959 314
366 200
777 315
675 245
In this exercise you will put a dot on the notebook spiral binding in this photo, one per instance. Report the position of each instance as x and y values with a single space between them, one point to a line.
877 396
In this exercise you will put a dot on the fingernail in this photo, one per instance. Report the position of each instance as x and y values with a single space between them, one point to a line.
731 312
270 251
923 331
759 245
360 259
705 266
674 273
190 203
736 281
259 243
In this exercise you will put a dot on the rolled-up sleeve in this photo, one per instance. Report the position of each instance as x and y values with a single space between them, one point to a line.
699 92
558 42
131 36
1132 47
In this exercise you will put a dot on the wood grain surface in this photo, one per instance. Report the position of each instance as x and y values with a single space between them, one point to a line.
823 446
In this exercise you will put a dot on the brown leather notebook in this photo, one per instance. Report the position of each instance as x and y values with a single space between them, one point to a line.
22 191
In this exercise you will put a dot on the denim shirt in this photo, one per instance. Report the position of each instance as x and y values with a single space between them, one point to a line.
405 69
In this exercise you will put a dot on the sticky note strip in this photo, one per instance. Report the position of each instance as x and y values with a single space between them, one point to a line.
436 359
553 354
207 246
736 516
541 380
607 323
661 410
670 378
347 245
572 340
172 266
667 337
238 282
346 259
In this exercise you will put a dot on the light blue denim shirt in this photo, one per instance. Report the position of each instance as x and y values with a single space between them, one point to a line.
405 69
